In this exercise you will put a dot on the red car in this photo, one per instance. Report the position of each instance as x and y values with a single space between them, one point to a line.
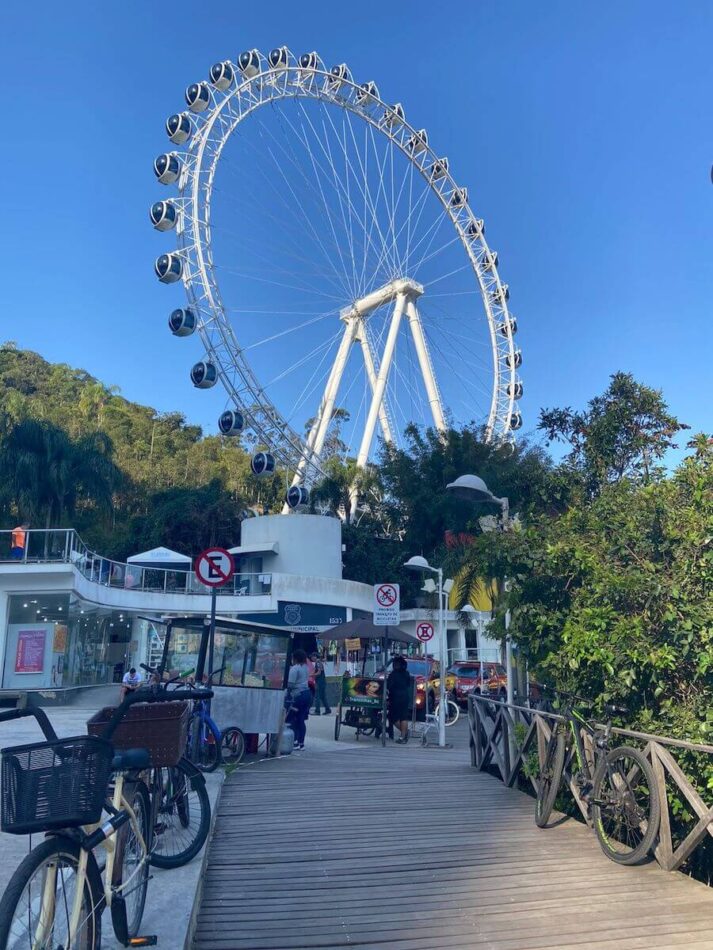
464 678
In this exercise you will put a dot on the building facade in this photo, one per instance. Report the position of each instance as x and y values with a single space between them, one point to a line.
70 618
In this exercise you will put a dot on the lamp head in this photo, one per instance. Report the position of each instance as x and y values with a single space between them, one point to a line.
468 609
471 487
418 563
429 585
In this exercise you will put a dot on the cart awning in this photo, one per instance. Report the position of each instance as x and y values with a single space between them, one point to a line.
365 630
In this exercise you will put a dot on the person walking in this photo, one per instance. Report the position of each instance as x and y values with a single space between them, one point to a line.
18 541
398 694
300 696
320 684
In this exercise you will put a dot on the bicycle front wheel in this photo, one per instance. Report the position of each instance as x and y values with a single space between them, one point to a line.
181 815
550 778
36 908
233 745
452 712
626 808
203 745
130 877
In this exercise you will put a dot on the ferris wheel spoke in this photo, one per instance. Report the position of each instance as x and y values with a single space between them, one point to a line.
317 165
266 280
366 191
289 330
429 236
286 251
362 188
306 219
310 386
390 252
325 149
456 270
406 226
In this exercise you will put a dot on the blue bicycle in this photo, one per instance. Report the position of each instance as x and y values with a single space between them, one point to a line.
205 740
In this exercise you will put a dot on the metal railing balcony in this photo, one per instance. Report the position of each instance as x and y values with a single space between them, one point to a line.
64 546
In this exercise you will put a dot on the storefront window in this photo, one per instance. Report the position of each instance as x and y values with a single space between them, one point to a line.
57 640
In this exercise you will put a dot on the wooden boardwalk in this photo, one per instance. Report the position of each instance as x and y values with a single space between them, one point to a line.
412 849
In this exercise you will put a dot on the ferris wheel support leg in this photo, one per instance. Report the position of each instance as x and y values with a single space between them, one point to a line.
424 359
377 398
371 374
320 427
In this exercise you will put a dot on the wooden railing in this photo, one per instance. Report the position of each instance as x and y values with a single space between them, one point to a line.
507 737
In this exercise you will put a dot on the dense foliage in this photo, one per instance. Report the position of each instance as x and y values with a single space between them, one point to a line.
76 452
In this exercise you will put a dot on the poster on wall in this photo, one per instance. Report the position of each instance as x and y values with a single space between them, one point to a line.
59 641
30 654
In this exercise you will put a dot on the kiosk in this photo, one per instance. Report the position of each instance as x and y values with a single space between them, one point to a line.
362 698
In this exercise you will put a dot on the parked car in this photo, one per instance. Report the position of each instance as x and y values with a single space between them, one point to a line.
464 678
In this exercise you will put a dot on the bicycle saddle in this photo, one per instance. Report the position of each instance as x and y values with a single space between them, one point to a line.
612 709
128 759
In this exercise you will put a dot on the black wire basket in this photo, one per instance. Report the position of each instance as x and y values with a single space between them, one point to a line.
51 785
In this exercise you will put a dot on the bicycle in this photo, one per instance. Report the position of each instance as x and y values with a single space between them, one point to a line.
180 806
616 783
205 739
56 897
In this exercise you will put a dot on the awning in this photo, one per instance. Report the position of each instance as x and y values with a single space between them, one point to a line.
365 630
259 547
162 558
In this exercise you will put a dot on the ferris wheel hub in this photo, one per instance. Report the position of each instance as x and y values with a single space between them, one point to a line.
402 286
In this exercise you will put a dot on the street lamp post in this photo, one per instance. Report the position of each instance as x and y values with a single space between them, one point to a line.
418 563
472 488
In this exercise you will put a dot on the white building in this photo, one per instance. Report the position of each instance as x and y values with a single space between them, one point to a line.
71 618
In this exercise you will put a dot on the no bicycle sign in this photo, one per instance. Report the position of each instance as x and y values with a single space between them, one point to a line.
387 611
214 567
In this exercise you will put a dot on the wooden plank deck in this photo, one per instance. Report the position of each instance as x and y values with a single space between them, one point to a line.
410 849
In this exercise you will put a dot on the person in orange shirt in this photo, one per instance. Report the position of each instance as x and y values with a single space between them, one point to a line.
17 544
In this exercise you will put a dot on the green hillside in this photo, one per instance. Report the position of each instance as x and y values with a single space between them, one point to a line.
75 451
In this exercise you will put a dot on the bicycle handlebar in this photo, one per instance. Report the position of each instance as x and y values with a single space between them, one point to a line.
7 715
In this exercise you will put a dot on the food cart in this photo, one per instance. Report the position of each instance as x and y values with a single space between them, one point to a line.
362 698
253 660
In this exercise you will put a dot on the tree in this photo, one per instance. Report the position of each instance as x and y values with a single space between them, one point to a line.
624 432
189 520
46 475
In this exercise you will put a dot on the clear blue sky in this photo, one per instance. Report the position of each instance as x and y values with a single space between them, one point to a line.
583 132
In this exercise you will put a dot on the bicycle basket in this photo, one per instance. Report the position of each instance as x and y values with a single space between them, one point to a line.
52 785
162 728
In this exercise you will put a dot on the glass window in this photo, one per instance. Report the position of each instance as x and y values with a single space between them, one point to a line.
245 659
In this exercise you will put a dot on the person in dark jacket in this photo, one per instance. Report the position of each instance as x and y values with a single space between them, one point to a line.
398 695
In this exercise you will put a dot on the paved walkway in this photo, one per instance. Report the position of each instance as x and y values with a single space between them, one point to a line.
349 845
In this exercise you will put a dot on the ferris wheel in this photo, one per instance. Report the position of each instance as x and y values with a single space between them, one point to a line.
335 272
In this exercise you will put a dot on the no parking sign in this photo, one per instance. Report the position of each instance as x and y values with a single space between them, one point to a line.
424 631
214 567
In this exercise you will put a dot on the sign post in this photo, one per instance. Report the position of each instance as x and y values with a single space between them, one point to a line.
387 613
214 567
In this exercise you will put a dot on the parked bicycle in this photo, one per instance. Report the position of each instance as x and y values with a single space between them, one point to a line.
617 783
60 787
207 746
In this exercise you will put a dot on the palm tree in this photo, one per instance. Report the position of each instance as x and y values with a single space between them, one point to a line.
46 473
335 491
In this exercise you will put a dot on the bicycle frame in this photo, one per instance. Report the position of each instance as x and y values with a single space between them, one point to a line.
119 805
